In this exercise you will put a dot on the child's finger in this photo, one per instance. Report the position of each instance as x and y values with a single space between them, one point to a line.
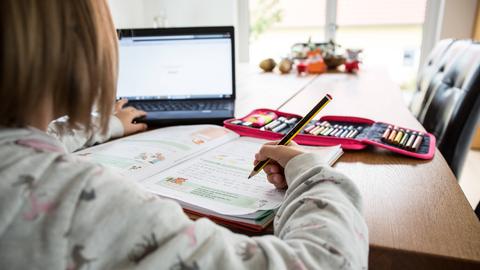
272 168
292 143
119 104
137 113
277 180
139 127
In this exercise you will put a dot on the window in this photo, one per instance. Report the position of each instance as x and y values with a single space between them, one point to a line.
275 25
388 31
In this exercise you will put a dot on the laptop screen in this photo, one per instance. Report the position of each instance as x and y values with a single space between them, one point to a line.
162 64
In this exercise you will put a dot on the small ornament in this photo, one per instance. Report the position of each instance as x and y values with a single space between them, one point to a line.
353 61
301 68
317 66
285 66
268 65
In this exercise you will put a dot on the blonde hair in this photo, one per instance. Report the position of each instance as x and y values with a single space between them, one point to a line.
63 50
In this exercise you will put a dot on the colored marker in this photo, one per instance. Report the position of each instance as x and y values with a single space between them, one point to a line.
355 132
279 127
324 125
411 140
274 124
393 134
331 130
418 142
405 138
320 129
399 136
350 133
311 131
342 130
338 130
310 128
386 134
317 131
327 130
291 121
344 133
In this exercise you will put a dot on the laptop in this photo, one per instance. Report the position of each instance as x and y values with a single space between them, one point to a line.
178 75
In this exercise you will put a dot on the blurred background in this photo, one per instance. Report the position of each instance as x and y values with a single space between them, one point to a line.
394 35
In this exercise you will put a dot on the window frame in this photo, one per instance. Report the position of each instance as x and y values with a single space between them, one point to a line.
430 36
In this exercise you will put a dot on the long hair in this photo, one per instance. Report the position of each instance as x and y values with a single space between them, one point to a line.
60 50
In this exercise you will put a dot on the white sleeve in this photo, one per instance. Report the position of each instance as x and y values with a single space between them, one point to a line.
76 139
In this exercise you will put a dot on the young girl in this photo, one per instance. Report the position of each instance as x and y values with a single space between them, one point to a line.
59 57
119 124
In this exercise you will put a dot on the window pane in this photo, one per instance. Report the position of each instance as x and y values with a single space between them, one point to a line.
277 24
389 31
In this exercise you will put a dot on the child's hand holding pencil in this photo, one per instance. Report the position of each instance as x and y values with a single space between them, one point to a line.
293 132
279 155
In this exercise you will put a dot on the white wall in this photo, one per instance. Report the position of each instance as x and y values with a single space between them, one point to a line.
127 13
141 13
191 12
184 13
447 19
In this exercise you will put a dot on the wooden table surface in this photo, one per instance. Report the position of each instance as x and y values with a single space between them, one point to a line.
417 215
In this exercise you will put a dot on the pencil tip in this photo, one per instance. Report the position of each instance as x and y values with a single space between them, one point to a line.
251 174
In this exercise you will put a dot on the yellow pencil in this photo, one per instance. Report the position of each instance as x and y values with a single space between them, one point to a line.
292 133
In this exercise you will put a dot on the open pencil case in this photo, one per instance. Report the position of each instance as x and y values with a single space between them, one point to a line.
352 133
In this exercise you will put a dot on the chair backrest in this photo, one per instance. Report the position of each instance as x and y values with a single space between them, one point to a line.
433 64
452 109
449 58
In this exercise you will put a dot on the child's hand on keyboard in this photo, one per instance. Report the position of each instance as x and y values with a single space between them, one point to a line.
280 156
126 116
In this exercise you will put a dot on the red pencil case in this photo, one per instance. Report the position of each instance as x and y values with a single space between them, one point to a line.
370 133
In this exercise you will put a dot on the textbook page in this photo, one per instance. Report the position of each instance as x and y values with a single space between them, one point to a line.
217 181
145 154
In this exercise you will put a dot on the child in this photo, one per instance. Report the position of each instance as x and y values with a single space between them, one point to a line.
119 124
59 57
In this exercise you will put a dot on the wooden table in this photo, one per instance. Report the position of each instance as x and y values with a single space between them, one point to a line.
417 215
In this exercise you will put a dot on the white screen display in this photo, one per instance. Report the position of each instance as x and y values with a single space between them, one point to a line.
175 67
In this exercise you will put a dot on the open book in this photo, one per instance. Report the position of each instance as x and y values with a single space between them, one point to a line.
203 167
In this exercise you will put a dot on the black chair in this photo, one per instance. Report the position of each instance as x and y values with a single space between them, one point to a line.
451 103
455 51
433 64
477 210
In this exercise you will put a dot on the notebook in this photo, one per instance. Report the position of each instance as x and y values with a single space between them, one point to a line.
178 75
204 168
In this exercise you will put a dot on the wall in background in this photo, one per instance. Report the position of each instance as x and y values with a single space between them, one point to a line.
476 33
180 13
184 13
476 36
458 19
127 13
175 13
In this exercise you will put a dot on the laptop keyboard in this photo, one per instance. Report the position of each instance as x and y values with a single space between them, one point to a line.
183 105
